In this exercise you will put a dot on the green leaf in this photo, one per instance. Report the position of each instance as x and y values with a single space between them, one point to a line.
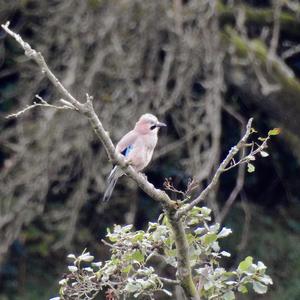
170 252
199 230
138 256
224 232
125 228
225 253
127 269
205 210
259 288
245 264
208 285
210 238
190 237
167 292
138 237
229 296
250 168
243 289
266 279
264 153
231 282
115 261
166 221
261 139
274 131
261 266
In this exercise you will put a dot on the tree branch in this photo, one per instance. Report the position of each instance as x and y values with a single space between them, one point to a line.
289 22
42 103
233 151
39 59
183 260
241 169
88 110
275 66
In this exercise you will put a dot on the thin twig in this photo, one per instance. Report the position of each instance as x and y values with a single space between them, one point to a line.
233 151
42 103
241 170
39 59
277 6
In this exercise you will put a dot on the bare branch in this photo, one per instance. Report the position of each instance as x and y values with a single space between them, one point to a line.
277 6
169 186
241 169
291 52
42 103
234 193
39 59
233 151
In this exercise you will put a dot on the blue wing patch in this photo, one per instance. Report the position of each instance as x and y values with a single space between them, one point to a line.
127 150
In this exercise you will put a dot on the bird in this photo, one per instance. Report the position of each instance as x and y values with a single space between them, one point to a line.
137 147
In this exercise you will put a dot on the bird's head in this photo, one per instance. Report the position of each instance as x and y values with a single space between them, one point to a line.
148 123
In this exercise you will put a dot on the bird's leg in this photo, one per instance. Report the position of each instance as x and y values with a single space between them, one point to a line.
128 162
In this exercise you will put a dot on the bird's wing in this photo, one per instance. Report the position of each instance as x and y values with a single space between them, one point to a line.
125 145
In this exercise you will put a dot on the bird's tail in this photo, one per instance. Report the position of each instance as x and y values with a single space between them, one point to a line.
112 180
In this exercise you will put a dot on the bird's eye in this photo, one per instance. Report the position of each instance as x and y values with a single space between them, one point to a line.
153 125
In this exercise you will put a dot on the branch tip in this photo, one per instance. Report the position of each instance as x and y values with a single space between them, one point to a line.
222 168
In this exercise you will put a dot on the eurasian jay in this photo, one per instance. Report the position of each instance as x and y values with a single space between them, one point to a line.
137 146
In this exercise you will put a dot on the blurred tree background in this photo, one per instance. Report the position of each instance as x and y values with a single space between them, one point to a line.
202 66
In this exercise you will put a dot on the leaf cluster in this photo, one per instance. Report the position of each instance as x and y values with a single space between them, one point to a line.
131 270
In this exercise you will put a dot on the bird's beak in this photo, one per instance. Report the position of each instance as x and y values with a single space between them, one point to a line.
160 124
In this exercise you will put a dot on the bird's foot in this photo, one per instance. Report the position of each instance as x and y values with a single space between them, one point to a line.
128 162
